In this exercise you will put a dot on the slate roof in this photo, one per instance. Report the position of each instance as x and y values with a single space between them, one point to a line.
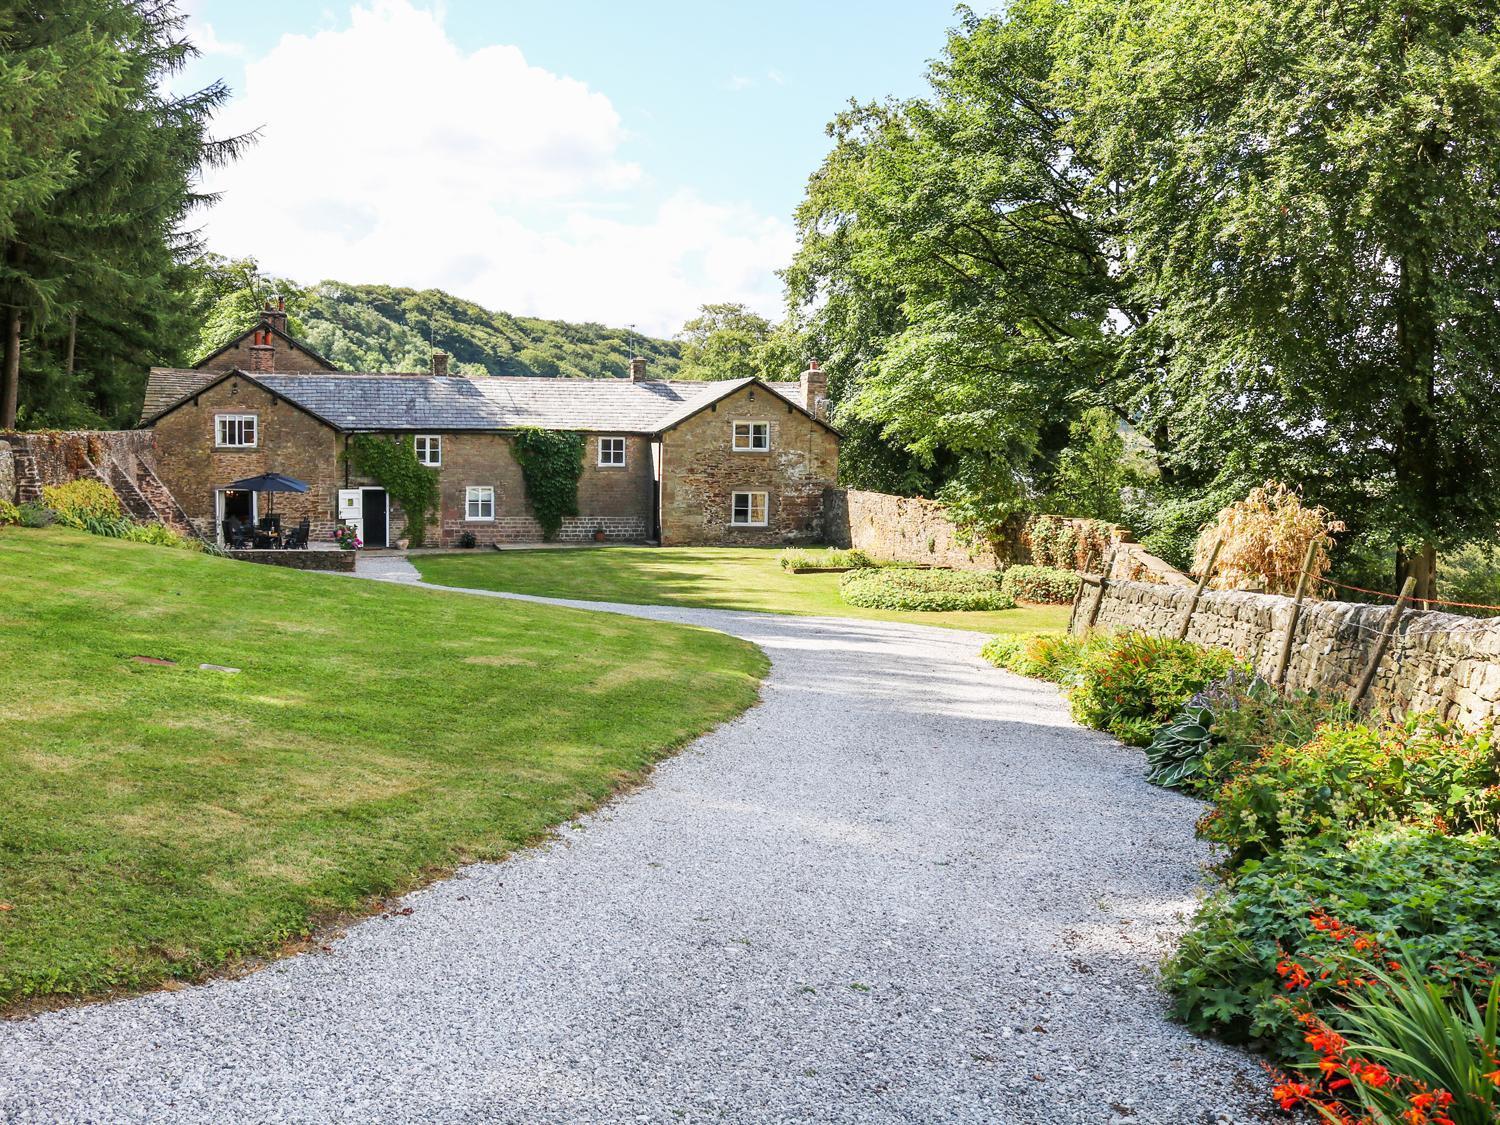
356 401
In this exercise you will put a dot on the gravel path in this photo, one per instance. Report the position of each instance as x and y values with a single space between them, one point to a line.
906 887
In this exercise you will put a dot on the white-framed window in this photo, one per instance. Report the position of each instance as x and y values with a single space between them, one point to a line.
752 437
235 431
429 450
611 452
479 502
748 509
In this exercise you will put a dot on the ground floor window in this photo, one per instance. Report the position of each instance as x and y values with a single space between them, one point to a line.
479 503
611 452
748 509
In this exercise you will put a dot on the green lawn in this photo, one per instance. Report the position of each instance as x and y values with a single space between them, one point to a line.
712 577
160 822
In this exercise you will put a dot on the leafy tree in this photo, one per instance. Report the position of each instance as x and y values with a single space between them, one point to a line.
1094 470
1311 198
723 342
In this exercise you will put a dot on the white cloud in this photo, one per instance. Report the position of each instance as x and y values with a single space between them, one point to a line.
389 154
202 33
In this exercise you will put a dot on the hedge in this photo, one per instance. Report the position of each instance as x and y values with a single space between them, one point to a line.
1043 584
927 590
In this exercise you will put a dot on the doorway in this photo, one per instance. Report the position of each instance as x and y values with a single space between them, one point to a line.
375 508
230 503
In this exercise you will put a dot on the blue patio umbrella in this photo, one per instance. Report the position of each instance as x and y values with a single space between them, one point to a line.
268 482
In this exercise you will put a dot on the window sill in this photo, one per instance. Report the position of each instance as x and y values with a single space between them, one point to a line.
235 448
761 451
748 526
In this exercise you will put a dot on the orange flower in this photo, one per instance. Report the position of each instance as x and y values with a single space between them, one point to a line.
1373 1074
1494 1076
1289 1095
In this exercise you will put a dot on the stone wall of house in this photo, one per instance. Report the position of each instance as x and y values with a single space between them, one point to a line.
288 441
1437 662
286 358
617 500
701 470
126 460
910 529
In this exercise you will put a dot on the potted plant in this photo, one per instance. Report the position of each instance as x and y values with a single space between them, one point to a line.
344 536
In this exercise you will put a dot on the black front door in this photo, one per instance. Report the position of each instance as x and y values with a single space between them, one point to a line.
374 514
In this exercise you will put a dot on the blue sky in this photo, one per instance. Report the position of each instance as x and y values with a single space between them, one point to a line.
612 162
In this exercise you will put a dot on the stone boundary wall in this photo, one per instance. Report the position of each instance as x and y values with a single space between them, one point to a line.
1438 662
125 460
908 529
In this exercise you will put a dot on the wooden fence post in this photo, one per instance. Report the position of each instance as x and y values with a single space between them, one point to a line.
1291 626
1109 566
1208 572
1385 640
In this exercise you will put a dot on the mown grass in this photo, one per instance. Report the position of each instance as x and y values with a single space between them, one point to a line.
165 822
710 577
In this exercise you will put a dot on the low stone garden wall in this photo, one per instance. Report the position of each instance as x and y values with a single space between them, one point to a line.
339 561
1438 662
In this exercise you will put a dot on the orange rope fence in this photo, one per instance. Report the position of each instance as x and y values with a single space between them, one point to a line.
1392 597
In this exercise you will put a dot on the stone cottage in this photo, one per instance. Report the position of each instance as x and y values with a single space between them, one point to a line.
736 463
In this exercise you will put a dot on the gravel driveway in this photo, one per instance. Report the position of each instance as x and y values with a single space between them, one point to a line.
906 887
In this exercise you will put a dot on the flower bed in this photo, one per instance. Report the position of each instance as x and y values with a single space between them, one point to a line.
800 560
1356 935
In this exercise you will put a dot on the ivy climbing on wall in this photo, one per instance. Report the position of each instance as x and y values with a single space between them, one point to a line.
392 463
551 462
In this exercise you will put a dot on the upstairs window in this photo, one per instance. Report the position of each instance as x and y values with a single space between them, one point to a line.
235 431
479 503
611 452
429 450
748 509
752 437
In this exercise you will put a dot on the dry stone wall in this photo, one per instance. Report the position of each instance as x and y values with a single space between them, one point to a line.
1438 662
909 529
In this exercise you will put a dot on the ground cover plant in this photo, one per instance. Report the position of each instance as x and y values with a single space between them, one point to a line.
165 821
92 506
708 577
826 558
1044 585
1042 656
1351 775
924 591
1435 894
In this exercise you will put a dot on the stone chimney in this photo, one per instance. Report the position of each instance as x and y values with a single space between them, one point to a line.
276 316
638 369
815 390
262 353
440 364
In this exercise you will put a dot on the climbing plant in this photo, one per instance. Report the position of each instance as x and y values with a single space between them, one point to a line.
551 463
392 463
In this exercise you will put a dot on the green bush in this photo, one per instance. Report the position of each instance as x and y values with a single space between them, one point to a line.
1043 584
800 558
1131 684
1436 895
80 499
926 590
1231 722
36 515
9 513
1042 656
1350 776
160 535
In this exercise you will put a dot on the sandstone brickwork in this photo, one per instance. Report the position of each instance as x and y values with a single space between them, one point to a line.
701 470
1438 662
289 441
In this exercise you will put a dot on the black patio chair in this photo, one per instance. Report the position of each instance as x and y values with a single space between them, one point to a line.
296 539
270 522
237 536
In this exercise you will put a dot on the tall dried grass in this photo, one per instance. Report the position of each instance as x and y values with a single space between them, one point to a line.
1265 538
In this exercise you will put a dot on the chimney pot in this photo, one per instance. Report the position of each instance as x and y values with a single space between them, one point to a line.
262 353
276 317
440 364
638 369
